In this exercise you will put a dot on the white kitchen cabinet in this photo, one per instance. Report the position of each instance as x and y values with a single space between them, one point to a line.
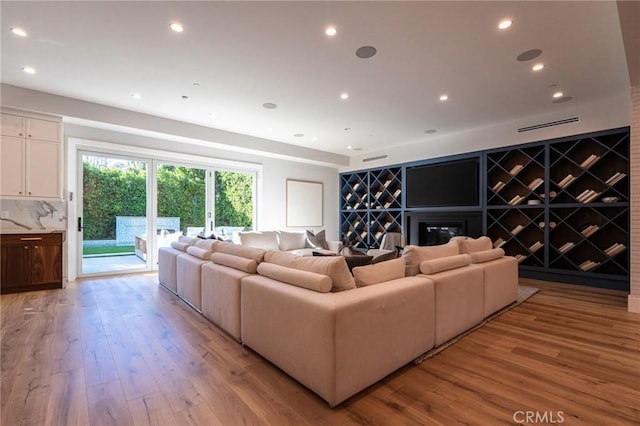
30 155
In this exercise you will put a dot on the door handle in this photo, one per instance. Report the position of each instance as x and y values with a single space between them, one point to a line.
80 227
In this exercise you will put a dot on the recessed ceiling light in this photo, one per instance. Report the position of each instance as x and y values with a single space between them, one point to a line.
315 139
196 84
558 95
177 27
344 96
298 135
19 31
269 105
538 67
136 95
29 70
505 23
349 147
331 31
444 97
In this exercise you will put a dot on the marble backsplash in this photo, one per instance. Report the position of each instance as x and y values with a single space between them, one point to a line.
32 215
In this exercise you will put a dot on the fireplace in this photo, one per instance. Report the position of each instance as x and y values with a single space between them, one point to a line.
434 228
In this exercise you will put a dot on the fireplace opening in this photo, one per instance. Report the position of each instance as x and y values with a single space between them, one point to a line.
431 234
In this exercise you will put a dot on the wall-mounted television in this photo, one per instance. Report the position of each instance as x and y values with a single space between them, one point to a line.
452 183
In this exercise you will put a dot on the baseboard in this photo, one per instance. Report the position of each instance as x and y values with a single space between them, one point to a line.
634 303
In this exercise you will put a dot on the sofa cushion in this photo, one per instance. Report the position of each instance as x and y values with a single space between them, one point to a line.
180 246
471 245
318 240
415 255
206 244
335 267
187 240
304 279
267 240
486 255
236 262
200 253
291 240
252 253
379 272
441 264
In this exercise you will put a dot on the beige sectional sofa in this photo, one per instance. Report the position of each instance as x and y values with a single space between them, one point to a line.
337 332
167 261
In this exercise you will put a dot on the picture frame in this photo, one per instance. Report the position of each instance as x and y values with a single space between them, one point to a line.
304 203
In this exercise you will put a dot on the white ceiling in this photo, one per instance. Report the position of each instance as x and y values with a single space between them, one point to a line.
243 54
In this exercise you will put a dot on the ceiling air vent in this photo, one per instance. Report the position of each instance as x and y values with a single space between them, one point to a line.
379 157
549 124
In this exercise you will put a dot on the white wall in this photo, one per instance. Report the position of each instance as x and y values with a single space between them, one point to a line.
603 114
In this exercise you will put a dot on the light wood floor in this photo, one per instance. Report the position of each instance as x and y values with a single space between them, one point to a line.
123 351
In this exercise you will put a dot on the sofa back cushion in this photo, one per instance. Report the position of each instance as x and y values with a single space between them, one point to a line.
187 240
246 252
442 264
335 267
267 240
415 255
236 262
471 245
180 246
206 244
486 255
200 253
378 272
304 279
291 240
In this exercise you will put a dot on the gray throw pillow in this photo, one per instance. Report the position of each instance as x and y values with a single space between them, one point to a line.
317 240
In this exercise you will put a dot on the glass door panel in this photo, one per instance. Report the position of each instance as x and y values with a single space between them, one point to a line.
112 222
182 198
234 202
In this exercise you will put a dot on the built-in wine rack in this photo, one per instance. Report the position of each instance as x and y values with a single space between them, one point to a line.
371 205
563 206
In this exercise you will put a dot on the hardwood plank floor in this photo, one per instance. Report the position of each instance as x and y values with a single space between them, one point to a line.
125 351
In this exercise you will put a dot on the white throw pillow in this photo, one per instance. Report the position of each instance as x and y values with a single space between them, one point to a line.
291 240
267 240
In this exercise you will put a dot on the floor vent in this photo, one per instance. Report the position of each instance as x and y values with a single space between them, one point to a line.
379 157
549 124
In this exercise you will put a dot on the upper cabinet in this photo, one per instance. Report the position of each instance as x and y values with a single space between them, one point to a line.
30 156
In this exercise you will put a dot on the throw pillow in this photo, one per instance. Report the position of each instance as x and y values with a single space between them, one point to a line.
471 245
291 240
267 240
415 255
318 240
378 273
334 267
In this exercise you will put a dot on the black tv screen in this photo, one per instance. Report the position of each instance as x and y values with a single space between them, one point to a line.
454 183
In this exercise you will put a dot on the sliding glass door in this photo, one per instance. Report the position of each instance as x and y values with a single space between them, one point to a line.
234 206
181 202
112 220
127 208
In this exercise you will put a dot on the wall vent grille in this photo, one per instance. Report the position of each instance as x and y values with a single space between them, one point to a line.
549 124
379 157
